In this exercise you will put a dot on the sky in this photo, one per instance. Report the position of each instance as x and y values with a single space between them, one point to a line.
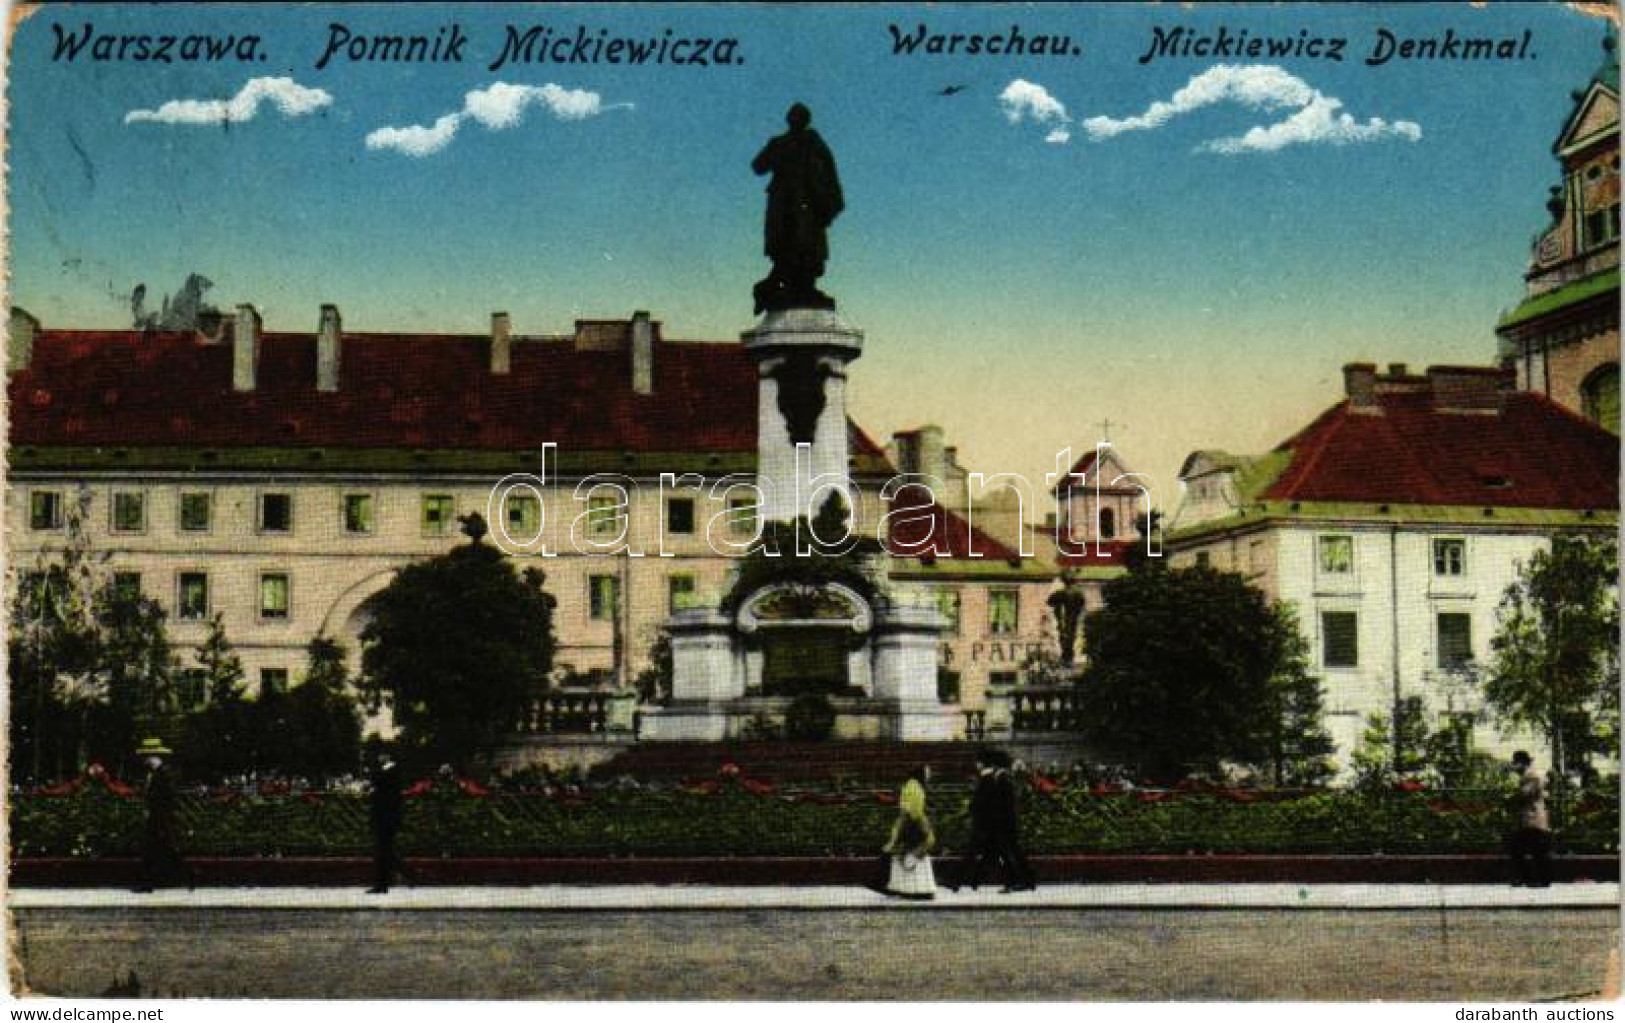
1189 246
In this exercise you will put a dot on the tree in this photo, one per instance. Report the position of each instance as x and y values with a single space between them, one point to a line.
54 648
654 681
1393 748
134 695
1192 667
1555 665
225 737
457 645
1300 747
322 736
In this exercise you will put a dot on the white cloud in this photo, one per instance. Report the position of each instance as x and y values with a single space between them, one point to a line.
1319 121
499 106
1316 117
285 94
1023 100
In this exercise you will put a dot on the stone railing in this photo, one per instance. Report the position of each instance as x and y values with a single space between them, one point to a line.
568 712
1046 709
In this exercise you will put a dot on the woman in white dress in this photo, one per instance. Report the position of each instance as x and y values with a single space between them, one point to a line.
910 845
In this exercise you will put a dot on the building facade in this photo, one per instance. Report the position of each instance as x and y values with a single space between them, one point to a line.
1393 525
280 480
1562 340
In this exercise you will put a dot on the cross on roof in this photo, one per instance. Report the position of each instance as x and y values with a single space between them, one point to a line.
1106 429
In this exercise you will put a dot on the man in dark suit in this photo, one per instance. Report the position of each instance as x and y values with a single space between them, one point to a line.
994 824
386 821
161 862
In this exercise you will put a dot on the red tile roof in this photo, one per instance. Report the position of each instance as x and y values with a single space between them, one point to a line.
1531 453
408 391
947 531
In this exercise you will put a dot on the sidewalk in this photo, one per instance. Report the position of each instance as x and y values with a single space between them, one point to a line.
623 898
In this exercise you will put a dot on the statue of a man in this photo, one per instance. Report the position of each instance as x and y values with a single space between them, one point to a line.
802 199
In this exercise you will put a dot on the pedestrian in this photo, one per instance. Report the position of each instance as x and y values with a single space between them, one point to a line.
1530 844
161 862
1018 873
910 844
386 821
994 828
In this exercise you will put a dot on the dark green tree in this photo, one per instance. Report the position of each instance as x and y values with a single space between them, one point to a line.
457 646
654 681
318 736
226 736
1300 747
134 692
1555 654
1393 749
1067 604
1192 667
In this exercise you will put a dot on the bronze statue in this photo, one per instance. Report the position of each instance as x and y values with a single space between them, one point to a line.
802 199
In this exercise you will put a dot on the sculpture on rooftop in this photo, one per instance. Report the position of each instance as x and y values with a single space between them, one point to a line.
803 198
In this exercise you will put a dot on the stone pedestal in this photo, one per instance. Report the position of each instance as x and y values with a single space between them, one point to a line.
707 675
801 357
904 649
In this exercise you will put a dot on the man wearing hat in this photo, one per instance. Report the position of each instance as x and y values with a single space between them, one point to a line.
386 821
161 862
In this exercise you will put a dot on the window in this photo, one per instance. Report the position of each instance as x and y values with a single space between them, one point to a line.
276 513
1204 559
1003 608
193 602
603 593
129 511
274 595
1599 397
679 592
1108 523
126 587
45 509
1340 639
1449 557
605 516
1002 679
437 514
273 680
524 518
741 516
680 515
358 513
948 604
1455 639
194 513
1602 226
1337 555
191 689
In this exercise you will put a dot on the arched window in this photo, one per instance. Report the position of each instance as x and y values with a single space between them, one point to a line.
1108 517
1599 396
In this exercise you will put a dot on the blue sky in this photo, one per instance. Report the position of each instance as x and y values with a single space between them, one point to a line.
1014 290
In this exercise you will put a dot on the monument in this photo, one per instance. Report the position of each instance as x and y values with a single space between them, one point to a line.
850 638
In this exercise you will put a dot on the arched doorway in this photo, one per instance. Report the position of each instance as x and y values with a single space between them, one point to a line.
1599 396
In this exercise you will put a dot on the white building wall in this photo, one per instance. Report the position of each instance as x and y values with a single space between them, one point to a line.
1398 598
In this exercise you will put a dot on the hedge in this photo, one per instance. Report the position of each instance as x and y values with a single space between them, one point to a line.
753 819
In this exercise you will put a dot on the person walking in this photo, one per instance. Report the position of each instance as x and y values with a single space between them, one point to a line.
386 821
910 844
1530 844
161 862
1018 873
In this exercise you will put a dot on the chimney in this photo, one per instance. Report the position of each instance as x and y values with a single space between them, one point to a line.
931 453
501 343
20 339
1360 384
245 349
643 354
1397 369
1468 388
328 342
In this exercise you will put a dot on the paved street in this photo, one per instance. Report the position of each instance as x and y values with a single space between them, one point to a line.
1338 942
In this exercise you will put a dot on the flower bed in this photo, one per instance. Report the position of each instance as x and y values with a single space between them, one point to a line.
735 817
